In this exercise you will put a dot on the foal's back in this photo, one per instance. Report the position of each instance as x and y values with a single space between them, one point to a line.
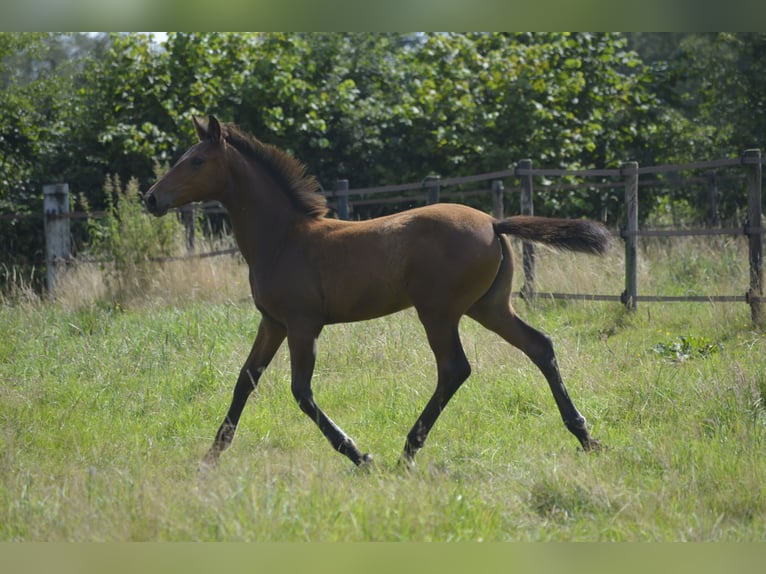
443 256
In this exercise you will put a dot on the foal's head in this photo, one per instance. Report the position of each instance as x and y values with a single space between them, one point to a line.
200 174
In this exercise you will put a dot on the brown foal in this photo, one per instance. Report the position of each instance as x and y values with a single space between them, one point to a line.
307 270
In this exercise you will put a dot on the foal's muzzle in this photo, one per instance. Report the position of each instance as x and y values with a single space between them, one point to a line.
152 205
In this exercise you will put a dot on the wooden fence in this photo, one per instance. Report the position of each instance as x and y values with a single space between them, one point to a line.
56 218
629 173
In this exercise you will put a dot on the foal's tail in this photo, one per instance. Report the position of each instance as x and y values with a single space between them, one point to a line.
571 234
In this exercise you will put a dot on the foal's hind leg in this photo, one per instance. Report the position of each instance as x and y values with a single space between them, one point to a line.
268 340
302 342
453 370
500 318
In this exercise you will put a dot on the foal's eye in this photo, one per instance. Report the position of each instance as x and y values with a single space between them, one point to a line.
197 161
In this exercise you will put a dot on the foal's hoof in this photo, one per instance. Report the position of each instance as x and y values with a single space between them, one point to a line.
208 463
592 445
406 463
366 462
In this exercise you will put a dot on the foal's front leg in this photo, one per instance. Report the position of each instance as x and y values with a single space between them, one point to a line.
268 340
302 343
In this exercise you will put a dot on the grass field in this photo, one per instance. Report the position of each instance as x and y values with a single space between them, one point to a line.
107 405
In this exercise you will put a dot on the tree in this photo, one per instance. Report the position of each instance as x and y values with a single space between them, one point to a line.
373 108
707 87
31 102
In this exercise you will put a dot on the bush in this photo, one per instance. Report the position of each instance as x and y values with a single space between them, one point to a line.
130 238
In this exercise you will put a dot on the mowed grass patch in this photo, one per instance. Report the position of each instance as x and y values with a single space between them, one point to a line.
106 409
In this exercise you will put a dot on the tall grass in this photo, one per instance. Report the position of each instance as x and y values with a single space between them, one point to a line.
107 404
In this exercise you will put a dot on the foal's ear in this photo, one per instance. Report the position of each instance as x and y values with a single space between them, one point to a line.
209 128
213 128
201 126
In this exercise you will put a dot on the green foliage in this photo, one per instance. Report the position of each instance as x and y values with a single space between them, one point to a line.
387 108
28 111
375 108
687 347
33 102
129 238
713 78
668 211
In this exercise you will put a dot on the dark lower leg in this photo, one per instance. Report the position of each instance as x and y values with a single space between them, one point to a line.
339 440
453 369
302 344
572 418
246 383
497 316
540 350
267 341
416 438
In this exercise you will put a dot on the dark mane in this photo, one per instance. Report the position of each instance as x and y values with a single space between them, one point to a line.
302 189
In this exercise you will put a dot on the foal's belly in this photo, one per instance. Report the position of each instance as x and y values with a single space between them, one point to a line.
361 300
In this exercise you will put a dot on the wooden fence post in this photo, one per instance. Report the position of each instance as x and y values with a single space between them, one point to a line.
341 194
56 227
754 231
528 249
188 217
431 183
630 295
713 195
497 198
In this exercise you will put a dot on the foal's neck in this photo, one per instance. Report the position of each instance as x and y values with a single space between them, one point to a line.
261 213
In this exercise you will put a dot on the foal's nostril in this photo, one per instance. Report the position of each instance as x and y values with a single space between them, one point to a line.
153 206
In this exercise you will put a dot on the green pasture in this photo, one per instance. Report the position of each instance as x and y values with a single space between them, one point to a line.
108 403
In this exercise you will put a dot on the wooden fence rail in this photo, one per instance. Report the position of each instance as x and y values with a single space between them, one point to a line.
56 217
629 173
